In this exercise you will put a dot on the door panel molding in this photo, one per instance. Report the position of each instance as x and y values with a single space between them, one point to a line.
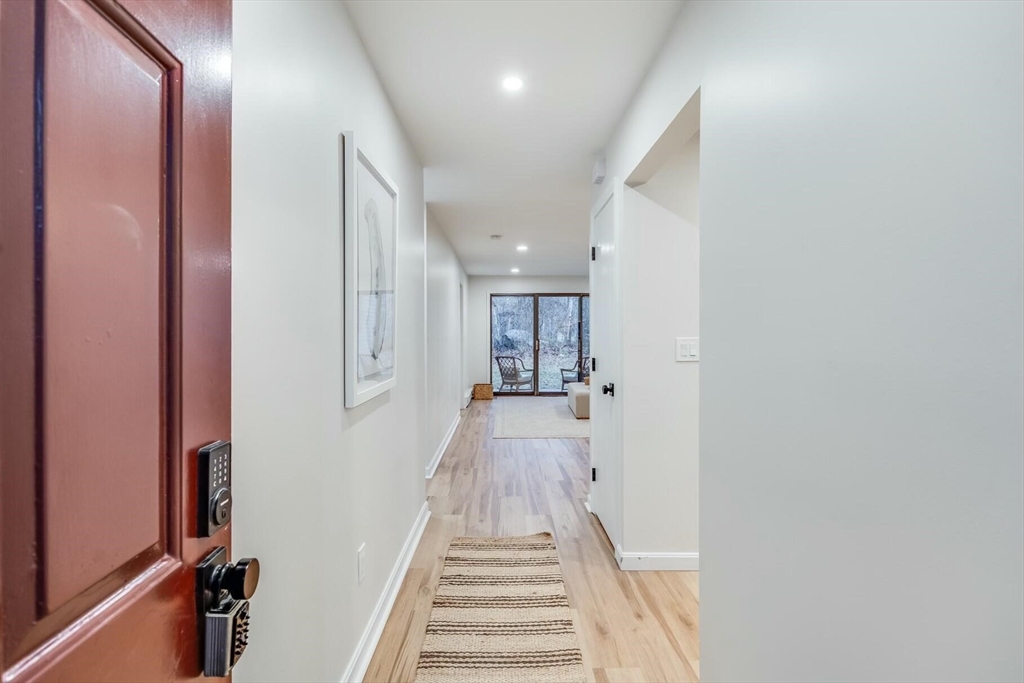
104 270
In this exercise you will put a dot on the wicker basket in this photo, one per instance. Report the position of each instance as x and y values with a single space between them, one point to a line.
483 392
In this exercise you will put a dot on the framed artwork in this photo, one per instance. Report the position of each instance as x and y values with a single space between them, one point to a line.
370 224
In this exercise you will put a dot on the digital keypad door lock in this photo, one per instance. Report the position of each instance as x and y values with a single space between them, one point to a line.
223 591
214 474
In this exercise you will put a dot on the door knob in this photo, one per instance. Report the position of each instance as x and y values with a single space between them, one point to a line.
608 389
222 595
239 579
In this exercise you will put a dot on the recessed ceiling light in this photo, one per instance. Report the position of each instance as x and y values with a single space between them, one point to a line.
515 270
512 83
522 247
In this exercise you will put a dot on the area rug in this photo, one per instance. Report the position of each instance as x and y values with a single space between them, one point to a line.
501 615
537 417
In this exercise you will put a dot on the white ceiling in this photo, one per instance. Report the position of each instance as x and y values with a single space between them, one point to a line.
512 164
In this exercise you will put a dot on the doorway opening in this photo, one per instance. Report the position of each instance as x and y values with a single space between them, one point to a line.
540 343
464 394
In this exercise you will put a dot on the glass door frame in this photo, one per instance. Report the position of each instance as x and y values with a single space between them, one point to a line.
536 337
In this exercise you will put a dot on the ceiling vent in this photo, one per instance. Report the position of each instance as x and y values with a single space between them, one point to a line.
496 237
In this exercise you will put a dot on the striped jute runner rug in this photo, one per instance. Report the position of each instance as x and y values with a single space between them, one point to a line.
501 614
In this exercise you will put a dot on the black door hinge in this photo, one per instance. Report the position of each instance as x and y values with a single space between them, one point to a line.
593 474
593 364
593 253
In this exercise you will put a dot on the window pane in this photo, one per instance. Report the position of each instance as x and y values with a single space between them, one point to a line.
559 322
586 327
512 337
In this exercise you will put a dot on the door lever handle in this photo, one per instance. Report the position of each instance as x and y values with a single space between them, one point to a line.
608 389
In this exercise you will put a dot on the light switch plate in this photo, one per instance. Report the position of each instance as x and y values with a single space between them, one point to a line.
687 349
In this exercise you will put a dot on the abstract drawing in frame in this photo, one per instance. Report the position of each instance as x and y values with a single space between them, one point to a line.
370 221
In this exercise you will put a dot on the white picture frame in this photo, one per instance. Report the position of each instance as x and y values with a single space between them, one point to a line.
370 282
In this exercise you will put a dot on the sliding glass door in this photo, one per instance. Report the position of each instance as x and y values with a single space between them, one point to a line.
539 342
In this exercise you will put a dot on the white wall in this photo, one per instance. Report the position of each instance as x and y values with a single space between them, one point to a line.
660 261
862 374
479 311
676 185
313 480
444 338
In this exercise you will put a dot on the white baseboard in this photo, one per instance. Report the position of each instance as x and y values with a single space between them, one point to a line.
635 562
360 660
467 397
586 505
436 460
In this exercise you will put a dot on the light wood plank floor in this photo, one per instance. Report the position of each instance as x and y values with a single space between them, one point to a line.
632 626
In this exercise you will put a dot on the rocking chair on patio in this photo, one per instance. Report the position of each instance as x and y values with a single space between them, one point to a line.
512 375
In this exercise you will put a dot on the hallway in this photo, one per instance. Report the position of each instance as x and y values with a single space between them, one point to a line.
702 264
632 626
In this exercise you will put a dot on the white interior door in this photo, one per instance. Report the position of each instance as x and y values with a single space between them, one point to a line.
606 349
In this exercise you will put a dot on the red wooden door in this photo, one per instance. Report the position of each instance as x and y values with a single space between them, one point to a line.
115 216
